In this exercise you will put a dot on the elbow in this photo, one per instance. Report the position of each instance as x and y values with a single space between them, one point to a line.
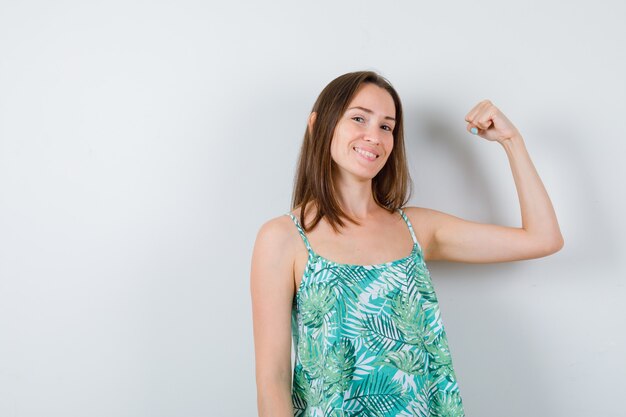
274 397
554 245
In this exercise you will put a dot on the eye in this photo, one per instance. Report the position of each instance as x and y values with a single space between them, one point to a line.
358 119
387 128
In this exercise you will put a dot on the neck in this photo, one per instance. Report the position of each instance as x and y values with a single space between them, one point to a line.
356 198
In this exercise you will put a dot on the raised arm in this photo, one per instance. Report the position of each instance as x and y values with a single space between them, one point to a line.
455 239
272 290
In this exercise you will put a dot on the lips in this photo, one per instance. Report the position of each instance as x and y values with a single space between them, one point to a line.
368 154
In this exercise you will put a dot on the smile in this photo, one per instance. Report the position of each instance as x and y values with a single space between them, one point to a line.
367 155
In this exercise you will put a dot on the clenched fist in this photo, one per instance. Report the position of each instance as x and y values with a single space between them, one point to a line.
487 121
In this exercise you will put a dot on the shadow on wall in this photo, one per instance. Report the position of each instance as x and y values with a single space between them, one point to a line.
580 205
437 140
591 234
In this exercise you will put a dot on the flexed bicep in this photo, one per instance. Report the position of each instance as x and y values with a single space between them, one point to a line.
459 240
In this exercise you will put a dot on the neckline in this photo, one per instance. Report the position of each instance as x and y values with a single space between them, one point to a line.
312 255
315 255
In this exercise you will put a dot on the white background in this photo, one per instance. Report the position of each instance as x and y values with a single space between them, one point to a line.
143 144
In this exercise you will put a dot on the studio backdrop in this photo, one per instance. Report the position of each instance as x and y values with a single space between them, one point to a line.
143 144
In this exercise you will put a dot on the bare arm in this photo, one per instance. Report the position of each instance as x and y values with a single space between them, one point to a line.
272 290
455 239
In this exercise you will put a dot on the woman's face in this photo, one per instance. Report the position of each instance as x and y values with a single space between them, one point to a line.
363 137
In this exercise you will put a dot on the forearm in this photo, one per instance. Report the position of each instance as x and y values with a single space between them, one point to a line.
538 216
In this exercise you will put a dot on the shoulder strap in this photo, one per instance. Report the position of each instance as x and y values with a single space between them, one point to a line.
408 223
301 231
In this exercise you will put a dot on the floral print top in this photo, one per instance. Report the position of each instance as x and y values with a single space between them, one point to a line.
369 340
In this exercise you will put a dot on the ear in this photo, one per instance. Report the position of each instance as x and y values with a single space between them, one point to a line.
311 121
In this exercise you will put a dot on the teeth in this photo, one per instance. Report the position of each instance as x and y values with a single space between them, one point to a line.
366 153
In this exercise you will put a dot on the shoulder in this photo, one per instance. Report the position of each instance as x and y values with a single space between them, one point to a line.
425 222
420 218
428 224
276 233
420 213
428 219
274 253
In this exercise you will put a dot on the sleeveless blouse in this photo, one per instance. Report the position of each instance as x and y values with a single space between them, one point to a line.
369 340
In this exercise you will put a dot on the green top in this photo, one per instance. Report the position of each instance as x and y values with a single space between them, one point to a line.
369 340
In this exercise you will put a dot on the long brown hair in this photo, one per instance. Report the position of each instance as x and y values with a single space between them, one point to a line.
313 183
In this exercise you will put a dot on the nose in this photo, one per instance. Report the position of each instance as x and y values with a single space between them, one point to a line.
372 135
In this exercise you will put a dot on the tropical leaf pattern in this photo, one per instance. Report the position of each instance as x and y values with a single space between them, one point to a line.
370 341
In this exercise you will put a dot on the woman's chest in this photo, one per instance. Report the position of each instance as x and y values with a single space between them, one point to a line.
354 252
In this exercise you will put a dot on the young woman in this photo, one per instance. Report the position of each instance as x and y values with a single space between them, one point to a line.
344 272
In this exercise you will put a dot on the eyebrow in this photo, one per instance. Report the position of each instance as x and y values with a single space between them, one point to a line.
370 111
